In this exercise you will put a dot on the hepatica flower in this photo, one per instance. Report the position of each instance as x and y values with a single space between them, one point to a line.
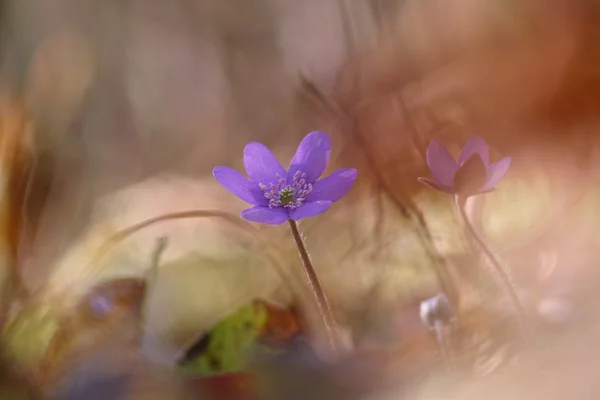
278 195
472 174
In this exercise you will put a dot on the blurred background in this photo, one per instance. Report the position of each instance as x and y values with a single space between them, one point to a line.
123 108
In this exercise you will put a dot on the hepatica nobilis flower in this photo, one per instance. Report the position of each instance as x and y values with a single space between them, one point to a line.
470 175
278 195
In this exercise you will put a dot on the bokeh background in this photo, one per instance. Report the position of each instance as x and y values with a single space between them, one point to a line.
132 103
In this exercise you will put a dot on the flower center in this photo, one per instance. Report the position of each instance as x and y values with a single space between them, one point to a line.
284 195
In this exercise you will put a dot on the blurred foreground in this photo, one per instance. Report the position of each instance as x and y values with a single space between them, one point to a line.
114 113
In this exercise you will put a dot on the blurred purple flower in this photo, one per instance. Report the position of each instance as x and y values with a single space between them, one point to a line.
436 309
279 195
470 175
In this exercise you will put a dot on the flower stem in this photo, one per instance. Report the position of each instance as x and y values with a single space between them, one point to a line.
504 276
319 295
444 345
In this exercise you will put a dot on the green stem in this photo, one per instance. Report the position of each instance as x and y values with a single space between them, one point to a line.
319 295
504 276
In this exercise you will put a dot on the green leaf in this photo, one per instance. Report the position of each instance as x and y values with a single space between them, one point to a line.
230 341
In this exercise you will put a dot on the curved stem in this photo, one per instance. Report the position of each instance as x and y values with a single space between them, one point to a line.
504 276
319 295
118 237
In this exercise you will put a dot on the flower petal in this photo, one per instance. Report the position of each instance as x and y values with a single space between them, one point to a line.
311 157
470 177
335 186
310 209
237 184
496 172
265 215
261 165
441 164
435 185
475 145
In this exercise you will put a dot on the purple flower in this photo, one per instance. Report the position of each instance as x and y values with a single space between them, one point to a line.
279 195
470 175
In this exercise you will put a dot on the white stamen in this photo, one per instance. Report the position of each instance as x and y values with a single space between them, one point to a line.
288 196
